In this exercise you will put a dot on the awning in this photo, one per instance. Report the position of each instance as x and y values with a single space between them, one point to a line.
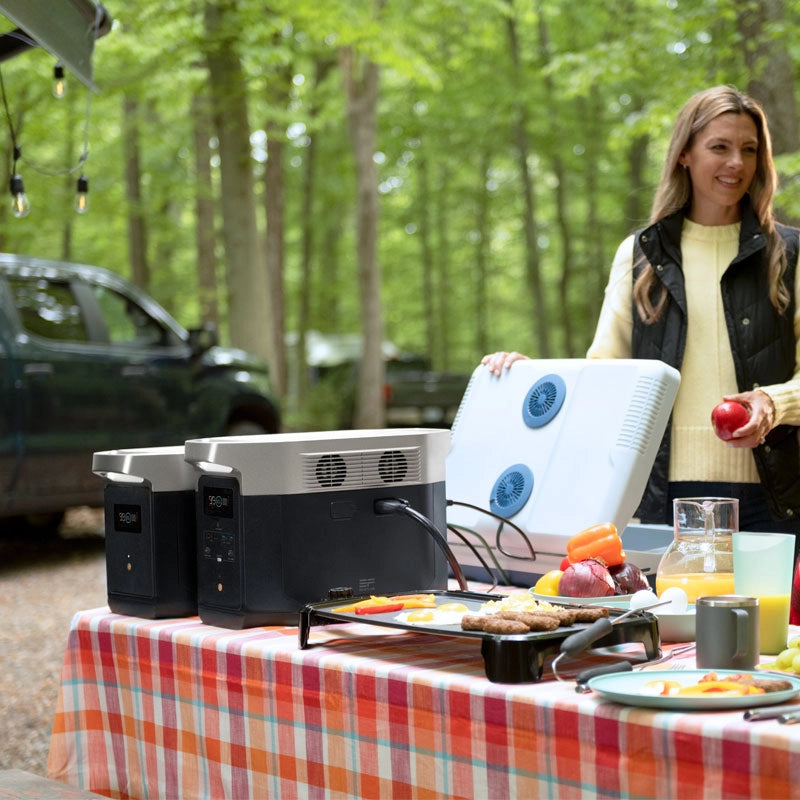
66 28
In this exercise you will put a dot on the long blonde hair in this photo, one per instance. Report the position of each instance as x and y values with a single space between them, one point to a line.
675 189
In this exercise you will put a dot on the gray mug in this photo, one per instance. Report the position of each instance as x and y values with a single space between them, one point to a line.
727 632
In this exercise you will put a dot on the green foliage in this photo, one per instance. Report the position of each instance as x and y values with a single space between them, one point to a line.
612 76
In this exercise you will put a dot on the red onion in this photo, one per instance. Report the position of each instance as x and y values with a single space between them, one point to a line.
628 578
586 579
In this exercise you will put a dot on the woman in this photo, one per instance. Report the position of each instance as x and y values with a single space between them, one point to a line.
709 287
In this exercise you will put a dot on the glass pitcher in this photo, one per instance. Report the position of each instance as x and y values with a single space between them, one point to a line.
700 558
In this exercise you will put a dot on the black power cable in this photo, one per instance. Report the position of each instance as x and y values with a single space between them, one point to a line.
503 520
394 505
459 531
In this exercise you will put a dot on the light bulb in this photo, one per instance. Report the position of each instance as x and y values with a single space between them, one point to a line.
82 197
20 205
59 82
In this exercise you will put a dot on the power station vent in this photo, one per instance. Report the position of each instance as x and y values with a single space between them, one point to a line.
330 470
361 468
642 415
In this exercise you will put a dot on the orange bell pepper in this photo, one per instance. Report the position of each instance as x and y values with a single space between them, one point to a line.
601 542
719 689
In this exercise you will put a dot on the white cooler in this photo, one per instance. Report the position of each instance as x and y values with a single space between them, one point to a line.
554 446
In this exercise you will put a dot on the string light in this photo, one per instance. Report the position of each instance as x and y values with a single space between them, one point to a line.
82 197
59 82
20 205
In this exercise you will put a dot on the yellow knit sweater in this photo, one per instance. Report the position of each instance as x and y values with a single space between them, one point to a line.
707 372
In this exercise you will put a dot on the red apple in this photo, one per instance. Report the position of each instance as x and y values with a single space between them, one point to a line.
728 417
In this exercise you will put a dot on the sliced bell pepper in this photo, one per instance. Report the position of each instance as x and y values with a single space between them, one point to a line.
601 542
406 601
373 600
384 609
415 600
719 689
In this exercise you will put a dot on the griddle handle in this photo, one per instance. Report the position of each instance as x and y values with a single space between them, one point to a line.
618 666
580 641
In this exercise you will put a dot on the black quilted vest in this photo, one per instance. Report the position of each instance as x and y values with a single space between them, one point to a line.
762 343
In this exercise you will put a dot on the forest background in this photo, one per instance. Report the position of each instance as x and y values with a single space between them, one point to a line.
451 176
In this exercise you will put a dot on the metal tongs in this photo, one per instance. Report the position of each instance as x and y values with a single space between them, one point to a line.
578 642
787 715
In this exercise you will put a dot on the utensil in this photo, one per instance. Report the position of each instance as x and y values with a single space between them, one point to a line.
578 642
781 713
583 677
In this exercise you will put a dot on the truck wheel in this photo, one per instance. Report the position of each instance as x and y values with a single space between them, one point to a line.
44 524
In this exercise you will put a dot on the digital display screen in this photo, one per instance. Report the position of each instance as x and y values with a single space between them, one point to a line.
127 518
218 502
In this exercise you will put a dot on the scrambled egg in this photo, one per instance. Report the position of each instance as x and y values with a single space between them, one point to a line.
516 601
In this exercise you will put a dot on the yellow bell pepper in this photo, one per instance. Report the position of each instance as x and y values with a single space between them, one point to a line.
719 689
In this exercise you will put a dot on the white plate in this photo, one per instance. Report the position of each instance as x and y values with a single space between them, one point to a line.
671 627
627 688
582 601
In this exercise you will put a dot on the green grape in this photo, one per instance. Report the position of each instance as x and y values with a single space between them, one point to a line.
794 642
796 664
786 658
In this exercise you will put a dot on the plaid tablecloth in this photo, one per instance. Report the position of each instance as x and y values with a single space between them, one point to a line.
178 709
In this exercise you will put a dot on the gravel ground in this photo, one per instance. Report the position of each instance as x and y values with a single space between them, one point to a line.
44 581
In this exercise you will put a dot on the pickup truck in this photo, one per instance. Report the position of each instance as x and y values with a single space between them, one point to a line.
89 362
415 394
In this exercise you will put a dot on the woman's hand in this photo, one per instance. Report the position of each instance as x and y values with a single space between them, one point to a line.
497 362
762 418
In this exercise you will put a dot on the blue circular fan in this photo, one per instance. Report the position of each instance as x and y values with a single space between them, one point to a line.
511 490
543 401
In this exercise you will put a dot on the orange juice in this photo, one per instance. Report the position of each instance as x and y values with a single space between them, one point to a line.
697 584
773 623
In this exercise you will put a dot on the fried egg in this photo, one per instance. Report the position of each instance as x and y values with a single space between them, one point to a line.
445 614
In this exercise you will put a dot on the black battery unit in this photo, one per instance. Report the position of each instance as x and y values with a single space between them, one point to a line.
151 555
288 519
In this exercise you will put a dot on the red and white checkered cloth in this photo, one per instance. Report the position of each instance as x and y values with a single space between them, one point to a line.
178 709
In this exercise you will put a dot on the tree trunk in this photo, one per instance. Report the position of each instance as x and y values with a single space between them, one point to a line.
307 257
361 88
205 236
769 64
274 203
137 223
595 267
481 314
248 300
69 181
520 136
562 213
327 312
322 67
443 263
274 206
426 252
